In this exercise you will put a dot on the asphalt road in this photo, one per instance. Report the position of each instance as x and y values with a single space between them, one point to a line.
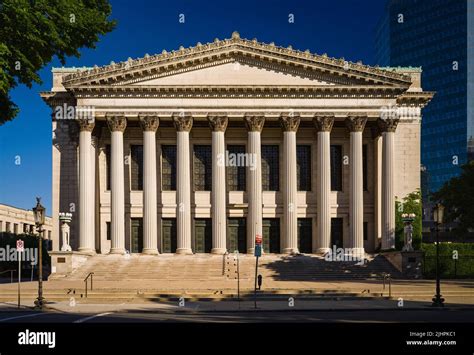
342 316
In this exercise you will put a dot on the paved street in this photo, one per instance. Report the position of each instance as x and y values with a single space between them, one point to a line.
342 316
297 310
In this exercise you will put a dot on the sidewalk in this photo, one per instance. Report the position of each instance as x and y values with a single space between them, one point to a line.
322 295
234 306
398 286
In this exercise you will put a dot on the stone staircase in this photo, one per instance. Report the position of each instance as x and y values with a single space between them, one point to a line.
206 267
310 268
146 267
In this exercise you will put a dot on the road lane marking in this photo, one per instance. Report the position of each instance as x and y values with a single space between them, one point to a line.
23 316
82 320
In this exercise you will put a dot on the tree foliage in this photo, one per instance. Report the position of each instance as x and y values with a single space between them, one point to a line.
410 204
457 195
32 32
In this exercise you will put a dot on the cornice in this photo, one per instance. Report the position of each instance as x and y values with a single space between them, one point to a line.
131 70
54 99
415 98
238 91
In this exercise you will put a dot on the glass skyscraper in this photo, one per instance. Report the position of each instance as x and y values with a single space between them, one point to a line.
436 35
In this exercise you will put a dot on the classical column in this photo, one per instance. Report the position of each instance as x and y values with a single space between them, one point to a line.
377 186
218 125
117 125
388 127
356 194
290 124
254 124
149 125
323 124
95 190
86 187
183 124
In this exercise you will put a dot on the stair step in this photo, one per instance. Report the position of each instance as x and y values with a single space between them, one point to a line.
220 268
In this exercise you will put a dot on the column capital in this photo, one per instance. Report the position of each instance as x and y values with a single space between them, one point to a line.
149 122
356 123
86 124
254 122
290 121
183 122
218 123
116 123
387 124
323 122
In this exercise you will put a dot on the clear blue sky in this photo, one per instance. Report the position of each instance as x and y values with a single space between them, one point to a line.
340 28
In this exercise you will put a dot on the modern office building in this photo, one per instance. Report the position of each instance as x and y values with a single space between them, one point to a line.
200 149
437 36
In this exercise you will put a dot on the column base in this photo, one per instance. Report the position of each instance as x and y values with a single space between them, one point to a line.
87 251
291 251
120 251
218 251
184 251
251 251
150 251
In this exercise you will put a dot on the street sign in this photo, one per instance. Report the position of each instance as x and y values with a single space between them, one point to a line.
258 239
258 250
20 245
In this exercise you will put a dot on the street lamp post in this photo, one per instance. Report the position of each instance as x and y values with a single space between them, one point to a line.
438 213
39 213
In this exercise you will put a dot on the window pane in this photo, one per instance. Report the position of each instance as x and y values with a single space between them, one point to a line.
109 231
169 241
168 167
336 168
202 171
136 167
236 168
270 168
303 167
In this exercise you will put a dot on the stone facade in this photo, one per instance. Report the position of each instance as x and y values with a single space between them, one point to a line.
234 92
18 221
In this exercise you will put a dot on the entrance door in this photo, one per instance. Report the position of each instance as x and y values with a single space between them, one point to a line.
305 235
169 235
337 233
137 235
271 235
236 235
202 235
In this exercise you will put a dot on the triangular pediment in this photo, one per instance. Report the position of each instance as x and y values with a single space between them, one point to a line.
232 74
235 61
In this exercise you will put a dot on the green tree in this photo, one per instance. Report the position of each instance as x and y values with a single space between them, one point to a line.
32 32
457 195
410 204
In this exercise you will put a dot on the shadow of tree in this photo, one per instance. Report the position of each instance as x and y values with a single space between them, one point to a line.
311 268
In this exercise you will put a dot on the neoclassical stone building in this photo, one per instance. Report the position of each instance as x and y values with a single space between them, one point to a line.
199 149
